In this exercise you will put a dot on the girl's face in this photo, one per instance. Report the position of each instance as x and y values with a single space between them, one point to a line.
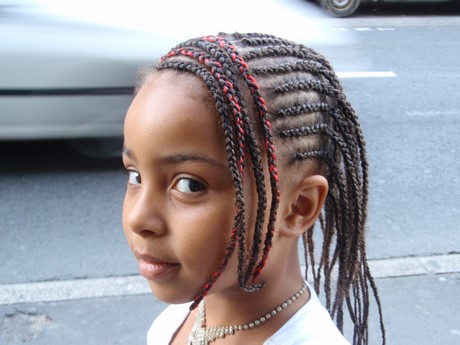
179 205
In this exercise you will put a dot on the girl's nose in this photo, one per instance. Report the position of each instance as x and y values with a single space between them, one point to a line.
144 214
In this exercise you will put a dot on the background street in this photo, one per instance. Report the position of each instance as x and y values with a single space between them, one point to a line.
68 277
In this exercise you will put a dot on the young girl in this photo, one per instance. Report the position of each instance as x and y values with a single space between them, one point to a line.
235 145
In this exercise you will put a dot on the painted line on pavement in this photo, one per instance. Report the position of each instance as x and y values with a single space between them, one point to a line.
364 74
427 113
340 24
51 291
66 290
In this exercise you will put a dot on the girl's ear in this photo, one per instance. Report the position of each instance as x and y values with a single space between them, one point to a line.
304 206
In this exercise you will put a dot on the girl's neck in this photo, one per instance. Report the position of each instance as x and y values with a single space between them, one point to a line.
237 311
238 307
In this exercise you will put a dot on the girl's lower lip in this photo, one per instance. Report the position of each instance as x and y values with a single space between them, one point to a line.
155 270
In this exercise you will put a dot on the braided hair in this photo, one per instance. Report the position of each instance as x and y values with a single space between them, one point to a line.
270 92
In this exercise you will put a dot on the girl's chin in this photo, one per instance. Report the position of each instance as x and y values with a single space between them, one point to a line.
170 295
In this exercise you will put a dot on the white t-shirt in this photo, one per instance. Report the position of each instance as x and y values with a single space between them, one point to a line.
310 325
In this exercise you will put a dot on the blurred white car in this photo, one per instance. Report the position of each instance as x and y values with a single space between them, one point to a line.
68 68
63 78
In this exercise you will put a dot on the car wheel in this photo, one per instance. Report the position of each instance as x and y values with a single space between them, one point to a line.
340 8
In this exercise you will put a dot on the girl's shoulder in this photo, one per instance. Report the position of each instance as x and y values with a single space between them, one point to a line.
166 324
311 325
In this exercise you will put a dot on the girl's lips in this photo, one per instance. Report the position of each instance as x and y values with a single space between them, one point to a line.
153 269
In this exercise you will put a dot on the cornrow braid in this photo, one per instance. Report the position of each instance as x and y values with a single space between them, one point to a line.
271 93
269 147
229 58
307 85
302 109
243 127
297 66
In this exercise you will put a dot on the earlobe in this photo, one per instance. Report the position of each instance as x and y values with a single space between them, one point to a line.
306 203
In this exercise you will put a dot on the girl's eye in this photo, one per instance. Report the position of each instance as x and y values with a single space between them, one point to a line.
188 185
134 177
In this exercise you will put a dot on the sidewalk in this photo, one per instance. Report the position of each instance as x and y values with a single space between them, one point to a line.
420 295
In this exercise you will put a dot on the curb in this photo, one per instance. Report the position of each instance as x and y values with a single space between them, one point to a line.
51 291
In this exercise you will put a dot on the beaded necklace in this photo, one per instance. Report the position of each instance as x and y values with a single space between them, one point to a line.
202 335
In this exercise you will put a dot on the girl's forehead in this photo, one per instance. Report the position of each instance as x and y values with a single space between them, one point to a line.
167 99
166 127
189 84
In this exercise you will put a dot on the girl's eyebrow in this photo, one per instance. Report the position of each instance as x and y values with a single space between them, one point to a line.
182 157
194 157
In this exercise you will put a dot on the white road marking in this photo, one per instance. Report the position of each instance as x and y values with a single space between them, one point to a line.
65 290
363 29
412 266
393 22
136 285
364 74
433 113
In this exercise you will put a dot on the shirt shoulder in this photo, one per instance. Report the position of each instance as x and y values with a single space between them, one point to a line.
311 325
166 324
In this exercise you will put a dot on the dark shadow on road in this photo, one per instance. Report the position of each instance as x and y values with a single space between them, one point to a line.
53 155
408 9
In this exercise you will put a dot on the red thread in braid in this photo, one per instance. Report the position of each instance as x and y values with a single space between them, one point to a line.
261 265
260 104
208 38
229 92
255 91
229 86
254 88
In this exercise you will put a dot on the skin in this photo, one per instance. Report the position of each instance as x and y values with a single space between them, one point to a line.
179 210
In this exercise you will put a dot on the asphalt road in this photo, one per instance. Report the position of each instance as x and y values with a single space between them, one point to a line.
60 212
